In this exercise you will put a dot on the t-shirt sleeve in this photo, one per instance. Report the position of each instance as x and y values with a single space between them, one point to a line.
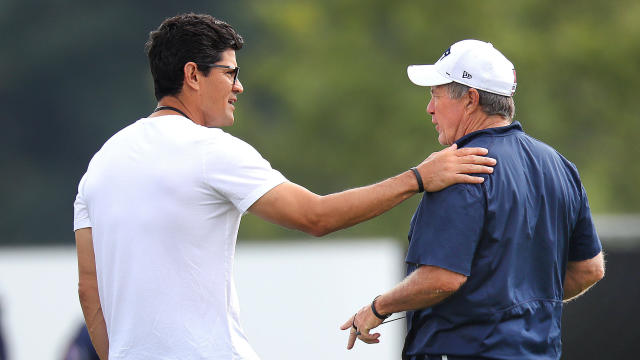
80 211
239 173
584 243
447 227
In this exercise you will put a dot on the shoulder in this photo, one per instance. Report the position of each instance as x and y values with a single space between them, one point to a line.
235 142
223 152
546 151
121 139
126 132
221 143
457 195
479 140
112 144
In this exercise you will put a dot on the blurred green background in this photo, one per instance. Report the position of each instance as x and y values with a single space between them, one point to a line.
327 100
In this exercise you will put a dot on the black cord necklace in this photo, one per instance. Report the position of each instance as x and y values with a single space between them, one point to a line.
159 108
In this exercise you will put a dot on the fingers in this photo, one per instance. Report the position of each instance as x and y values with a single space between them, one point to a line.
474 169
347 324
370 338
361 332
352 340
460 178
364 337
471 151
478 160
445 168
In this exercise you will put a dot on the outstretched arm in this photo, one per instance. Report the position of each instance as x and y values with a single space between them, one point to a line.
295 207
88 293
425 287
581 275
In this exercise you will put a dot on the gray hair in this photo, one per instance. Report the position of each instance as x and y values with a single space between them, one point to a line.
492 104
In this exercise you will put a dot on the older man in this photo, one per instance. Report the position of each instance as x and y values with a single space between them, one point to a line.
158 210
489 265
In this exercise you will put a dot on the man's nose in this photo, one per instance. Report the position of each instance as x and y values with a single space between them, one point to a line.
237 87
430 108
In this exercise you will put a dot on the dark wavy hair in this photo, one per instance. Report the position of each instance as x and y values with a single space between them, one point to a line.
188 37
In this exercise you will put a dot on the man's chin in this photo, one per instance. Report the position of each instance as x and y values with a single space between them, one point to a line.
228 121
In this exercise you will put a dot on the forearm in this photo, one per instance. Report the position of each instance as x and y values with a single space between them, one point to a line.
341 210
581 275
573 288
576 284
94 318
295 207
88 293
425 287
438 171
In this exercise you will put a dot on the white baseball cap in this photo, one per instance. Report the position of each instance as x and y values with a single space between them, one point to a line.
474 63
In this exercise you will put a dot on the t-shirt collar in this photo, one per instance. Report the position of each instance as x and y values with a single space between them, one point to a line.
514 126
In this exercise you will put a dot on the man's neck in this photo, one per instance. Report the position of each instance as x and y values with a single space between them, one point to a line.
178 103
485 122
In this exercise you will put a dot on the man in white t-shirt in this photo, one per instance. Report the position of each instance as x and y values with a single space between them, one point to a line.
158 210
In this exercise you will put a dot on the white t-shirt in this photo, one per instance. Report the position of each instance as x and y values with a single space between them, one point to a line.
164 198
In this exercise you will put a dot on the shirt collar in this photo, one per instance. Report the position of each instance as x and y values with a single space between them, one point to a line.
515 126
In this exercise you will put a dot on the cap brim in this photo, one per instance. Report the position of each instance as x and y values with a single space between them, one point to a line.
426 75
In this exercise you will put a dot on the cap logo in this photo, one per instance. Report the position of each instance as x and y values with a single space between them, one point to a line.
446 53
466 75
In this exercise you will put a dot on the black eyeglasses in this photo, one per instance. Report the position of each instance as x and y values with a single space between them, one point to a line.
235 72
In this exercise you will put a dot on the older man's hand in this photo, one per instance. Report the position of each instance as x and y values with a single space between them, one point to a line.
451 166
359 326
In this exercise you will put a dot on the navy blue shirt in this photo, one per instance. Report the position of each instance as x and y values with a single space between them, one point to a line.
81 347
512 237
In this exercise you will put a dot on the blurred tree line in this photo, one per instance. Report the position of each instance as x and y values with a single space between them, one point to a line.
327 100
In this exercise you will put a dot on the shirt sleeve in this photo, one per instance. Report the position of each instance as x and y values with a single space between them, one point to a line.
80 211
584 243
239 173
447 227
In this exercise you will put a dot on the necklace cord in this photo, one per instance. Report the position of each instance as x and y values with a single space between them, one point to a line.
160 108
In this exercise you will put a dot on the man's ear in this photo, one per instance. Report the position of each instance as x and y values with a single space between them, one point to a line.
472 99
192 76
